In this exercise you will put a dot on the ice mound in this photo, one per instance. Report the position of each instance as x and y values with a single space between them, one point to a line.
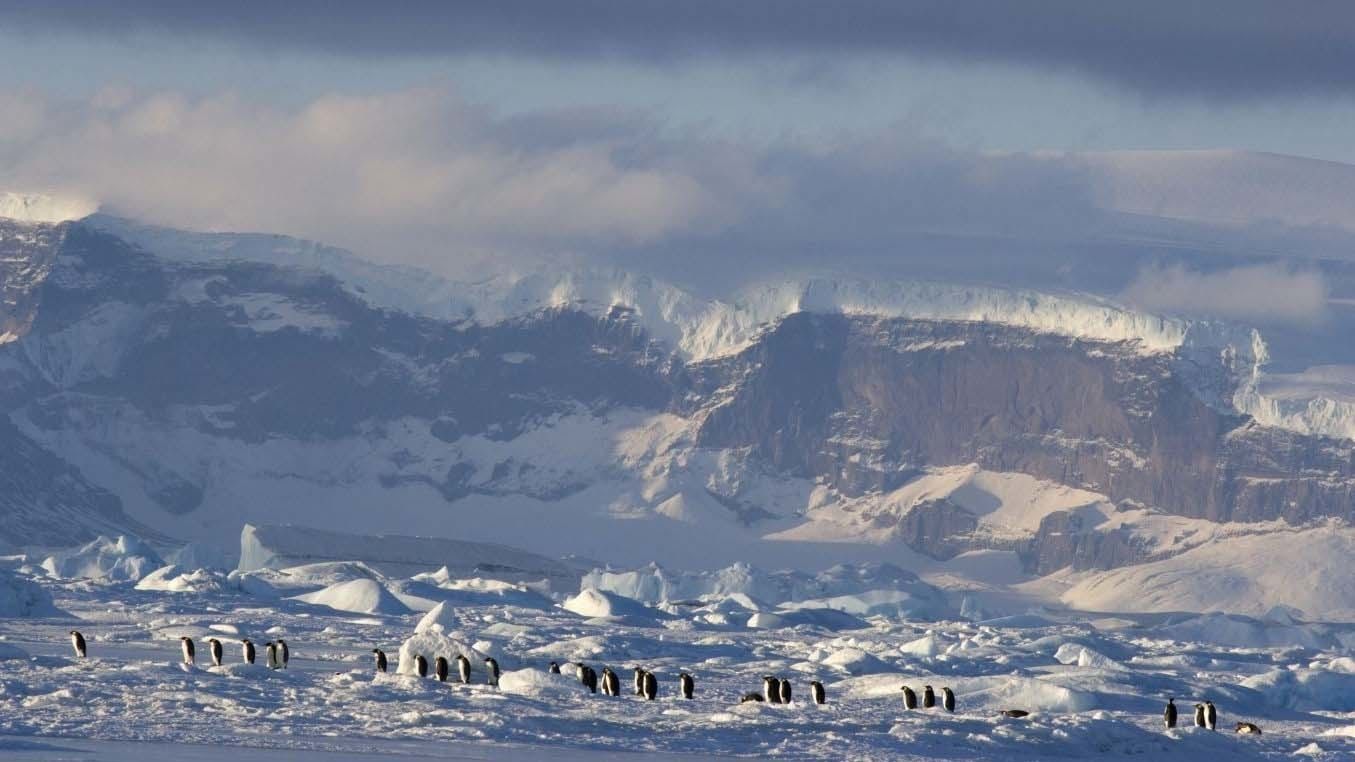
21 597
476 591
854 661
1031 694
1244 632
597 604
173 579
1305 689
431 645
925 647
125 559
360 596
536 682
1081 656
828 619
440 618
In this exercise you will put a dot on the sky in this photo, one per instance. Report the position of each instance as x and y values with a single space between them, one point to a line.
947 138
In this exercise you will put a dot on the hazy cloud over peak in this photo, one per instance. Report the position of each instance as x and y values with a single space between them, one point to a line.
1219 48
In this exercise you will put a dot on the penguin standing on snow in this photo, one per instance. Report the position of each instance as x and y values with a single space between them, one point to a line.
214 646
380 659
1211 716
909 698
463 668
420 665
284 653
785 691
589 677
651 686
928 697
554 668
639 681
1199 715
78 643
816 690
440 668
771 688
270 652
492 667
186 643
948 700
1169 714
611 684
688 685
247 650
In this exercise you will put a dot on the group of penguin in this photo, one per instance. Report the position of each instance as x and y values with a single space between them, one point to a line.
1206 716
276 650
775 690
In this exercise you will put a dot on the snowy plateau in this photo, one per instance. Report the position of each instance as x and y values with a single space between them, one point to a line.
1044 501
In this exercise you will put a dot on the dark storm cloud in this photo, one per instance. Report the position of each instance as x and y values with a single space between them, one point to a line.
1219 48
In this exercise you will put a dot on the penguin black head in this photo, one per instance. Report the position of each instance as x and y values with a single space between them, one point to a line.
376 650
75 632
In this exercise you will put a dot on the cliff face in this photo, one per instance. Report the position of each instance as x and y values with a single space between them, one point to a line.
193 395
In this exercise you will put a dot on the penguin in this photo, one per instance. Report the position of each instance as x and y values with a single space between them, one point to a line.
1015 713
651 686
492 667
554 668
1211 716
214 646
909 698
928 697
750 697
463 668
270 650
380 659
421 665
816 690
284 653
589 677
247 650
440 668
78 643
639 681
611 684
1199 715
785 691
188 652
771 688
1247 727
948 700
1169 714
688 685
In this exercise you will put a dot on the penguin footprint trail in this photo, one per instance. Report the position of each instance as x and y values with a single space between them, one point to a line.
515 667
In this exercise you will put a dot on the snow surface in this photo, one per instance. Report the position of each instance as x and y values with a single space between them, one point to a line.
1094 685
126 558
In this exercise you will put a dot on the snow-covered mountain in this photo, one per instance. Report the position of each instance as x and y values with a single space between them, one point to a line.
179 385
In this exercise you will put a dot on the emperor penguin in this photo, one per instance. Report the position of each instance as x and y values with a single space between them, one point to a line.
748 697
1247 727
611 684
589 677
1169 714
214 646
270 652
639 681
284 653
421 665
78 643
463 668
380 659
687 684
554 668
492 667
651 686
784 689
247 650
1199 715
440 668
928 697
948 700
1015 714
186 643
909 698
771 688
1211 716
816 690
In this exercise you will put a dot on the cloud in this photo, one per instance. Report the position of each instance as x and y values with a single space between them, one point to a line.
424 177
1220 48
1268 293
